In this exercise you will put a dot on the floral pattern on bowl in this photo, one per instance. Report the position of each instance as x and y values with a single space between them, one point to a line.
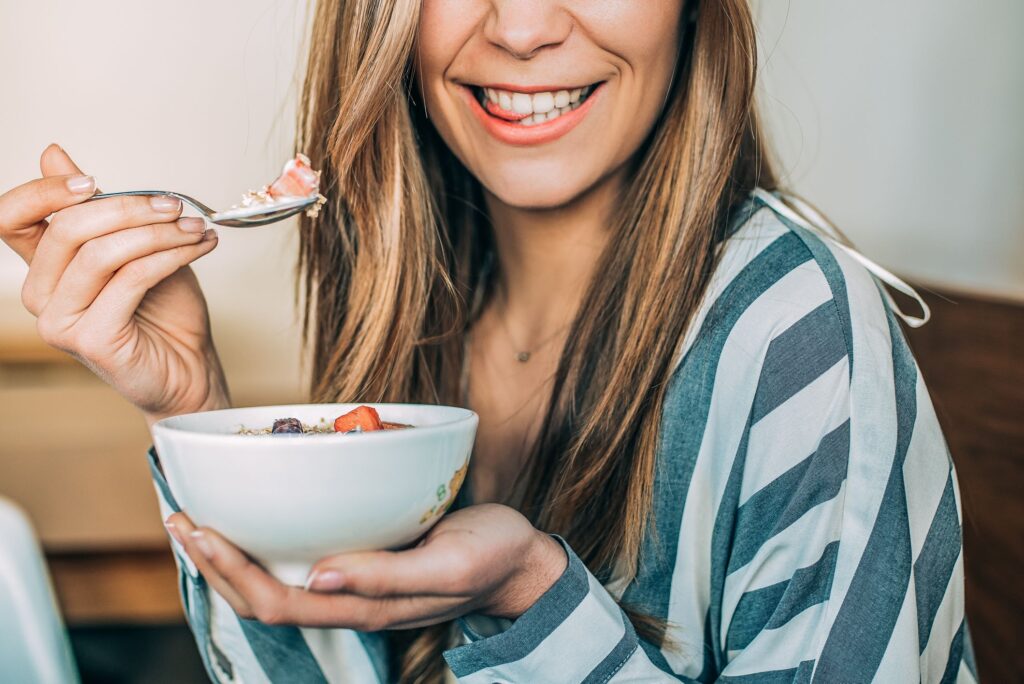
446 494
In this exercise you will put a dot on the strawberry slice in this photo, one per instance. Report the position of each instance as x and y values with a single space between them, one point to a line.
298 179
361 419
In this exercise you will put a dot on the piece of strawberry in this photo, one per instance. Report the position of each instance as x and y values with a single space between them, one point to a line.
298 179
361 418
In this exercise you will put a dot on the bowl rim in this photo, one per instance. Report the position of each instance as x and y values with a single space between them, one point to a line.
163 426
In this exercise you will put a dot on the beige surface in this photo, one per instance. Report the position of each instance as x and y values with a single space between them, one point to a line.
72 452
74 456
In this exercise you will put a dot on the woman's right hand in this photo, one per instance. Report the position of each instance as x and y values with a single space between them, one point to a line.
109 283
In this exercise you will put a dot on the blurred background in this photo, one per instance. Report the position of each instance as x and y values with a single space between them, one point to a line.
902 121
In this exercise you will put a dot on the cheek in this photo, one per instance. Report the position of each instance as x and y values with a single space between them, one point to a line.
445 26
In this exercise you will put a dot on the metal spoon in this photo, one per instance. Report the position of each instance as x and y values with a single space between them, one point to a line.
243 217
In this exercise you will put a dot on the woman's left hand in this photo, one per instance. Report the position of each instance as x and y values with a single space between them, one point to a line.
487 559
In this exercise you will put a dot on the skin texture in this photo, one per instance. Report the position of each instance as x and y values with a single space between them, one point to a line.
109 283
139 320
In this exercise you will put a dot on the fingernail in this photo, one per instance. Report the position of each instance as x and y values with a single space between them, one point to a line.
173 530
202 543
324 580
192 224
164 203
211 234
81 185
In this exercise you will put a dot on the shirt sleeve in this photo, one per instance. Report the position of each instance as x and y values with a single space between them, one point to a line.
840 556
575 632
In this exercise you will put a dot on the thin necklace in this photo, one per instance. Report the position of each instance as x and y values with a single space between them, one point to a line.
523 355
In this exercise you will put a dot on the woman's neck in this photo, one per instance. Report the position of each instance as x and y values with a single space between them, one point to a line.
546 258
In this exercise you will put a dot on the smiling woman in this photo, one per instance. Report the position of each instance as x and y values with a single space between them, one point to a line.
704 450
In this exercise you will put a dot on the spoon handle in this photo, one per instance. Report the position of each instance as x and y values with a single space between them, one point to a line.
194 203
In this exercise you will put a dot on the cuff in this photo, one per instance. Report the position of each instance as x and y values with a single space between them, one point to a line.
574 631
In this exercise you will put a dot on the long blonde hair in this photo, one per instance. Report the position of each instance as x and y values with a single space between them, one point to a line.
389 266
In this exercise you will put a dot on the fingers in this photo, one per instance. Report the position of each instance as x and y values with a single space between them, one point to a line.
23 210
119 299
56 162
183 530
253 593
98 260
74 226
437 569
238 579
98 330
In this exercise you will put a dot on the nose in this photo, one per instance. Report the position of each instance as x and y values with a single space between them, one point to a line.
523 27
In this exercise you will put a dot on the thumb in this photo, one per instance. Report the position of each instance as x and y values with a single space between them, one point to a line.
56 162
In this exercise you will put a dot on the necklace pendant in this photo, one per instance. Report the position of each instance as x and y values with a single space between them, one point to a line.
523 356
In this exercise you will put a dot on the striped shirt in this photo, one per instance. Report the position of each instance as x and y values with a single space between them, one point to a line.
807 515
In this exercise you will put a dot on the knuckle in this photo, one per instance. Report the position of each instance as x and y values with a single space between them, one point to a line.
93 256
128 205
365 624
41 195
59 225
51 332
29 299
461 569
160 234
378 622
269 613
135 272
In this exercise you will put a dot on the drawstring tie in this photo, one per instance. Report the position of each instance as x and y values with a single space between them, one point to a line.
809 218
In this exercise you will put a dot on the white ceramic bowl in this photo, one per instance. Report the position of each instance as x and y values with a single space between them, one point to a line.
289 500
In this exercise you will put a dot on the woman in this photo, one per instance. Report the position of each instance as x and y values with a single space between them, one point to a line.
543 210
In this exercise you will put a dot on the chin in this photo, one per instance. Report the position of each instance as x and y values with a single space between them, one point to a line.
532 188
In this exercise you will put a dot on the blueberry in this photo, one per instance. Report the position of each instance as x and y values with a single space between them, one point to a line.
286 426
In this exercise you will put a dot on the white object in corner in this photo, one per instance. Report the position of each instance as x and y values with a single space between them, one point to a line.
33 643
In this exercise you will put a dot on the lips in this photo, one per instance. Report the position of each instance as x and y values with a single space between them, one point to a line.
530 116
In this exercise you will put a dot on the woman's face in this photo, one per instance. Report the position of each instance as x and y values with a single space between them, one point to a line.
543 99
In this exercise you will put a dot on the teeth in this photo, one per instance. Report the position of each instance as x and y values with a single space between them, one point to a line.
543 103
540 107
522 103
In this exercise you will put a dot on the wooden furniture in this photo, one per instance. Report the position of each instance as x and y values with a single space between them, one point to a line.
972 358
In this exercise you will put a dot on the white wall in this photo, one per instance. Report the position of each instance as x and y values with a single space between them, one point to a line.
191 96
904 121
901 119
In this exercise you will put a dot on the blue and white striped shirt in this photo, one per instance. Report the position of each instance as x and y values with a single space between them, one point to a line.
806 510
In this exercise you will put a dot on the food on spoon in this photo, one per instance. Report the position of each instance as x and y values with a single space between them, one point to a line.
298 181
